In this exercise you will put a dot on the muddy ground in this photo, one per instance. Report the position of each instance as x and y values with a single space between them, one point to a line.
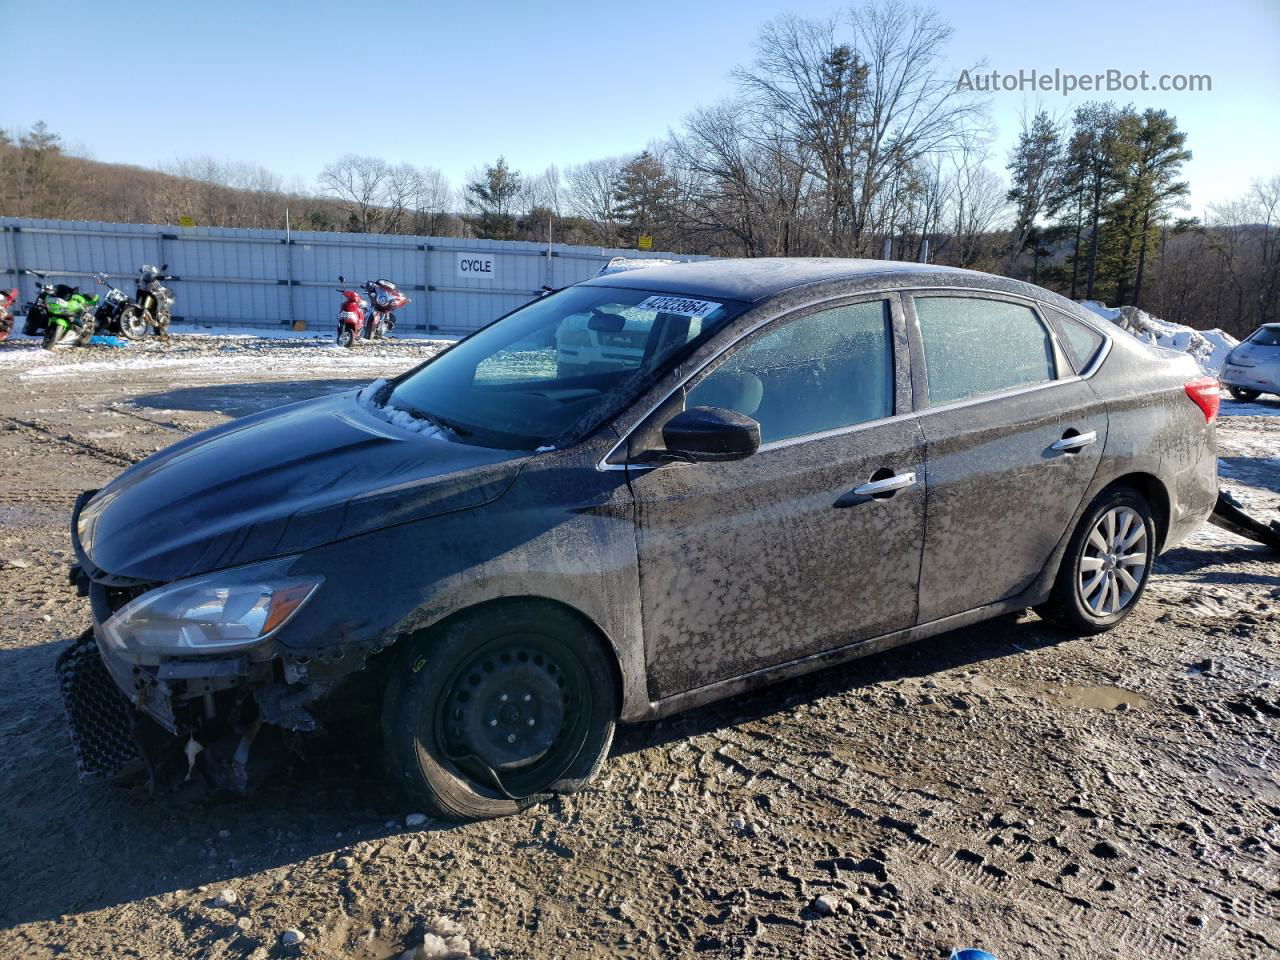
1005 786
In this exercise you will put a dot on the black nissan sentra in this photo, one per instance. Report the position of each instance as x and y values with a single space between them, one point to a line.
642 493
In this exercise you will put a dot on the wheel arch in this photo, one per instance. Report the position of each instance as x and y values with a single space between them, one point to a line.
608 648
1155 493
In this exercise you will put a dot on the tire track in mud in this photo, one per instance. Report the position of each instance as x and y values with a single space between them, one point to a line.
42 434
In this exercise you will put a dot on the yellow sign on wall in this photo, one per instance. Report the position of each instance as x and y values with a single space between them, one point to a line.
645 242
186 221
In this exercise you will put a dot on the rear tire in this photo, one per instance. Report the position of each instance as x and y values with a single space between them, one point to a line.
1105 569
1244 394
496 710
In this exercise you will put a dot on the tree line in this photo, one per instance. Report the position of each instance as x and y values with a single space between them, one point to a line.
844 136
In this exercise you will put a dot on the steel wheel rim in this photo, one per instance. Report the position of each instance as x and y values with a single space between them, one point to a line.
492 697
1114 562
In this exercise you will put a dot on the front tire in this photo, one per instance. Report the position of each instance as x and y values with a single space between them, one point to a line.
54 335
492 712
1107 564
133 323
1244 394
345 337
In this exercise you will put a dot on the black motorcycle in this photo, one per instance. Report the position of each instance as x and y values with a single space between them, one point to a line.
154 299
119 314
37 311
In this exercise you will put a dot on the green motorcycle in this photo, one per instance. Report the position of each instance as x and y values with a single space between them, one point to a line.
71 316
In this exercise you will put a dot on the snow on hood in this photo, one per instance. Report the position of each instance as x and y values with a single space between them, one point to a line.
1208 347
401 418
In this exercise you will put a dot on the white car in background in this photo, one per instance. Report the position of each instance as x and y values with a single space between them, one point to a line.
590 344
1253 367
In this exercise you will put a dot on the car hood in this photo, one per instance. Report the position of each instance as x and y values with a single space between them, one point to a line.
278 482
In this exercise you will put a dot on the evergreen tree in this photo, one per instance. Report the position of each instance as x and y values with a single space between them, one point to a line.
1088 183
1148 153
1036 170
645 201
492 196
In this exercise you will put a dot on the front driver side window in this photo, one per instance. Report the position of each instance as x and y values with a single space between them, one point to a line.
819 372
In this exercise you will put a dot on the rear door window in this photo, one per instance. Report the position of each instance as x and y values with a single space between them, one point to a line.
975 346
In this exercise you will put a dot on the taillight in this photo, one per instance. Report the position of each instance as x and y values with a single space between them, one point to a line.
1204 392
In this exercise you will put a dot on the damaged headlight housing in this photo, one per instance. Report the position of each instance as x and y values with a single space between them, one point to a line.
214 613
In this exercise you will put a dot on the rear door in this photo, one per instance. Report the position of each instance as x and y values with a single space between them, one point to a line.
748 564
1013 438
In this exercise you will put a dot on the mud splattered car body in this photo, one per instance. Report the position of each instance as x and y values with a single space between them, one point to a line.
697 579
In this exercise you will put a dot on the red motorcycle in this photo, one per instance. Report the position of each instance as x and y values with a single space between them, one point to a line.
7 298
368 319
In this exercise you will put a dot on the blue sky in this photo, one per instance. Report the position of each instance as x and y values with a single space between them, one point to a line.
293 85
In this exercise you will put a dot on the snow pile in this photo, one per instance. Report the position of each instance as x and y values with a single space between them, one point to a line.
1209 347
394 415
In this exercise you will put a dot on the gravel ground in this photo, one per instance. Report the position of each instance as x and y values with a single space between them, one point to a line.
1004 786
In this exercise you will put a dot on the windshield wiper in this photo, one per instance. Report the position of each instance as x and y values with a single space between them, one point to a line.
440 422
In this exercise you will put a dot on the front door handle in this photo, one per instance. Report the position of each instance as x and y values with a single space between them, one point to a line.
1074 442
877 489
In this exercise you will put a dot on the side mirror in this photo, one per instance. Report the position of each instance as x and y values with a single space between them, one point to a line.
164 267
710 435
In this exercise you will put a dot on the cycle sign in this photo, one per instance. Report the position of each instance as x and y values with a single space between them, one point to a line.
476 266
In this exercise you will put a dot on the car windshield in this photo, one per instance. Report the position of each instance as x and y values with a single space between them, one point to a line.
553 369
1268 336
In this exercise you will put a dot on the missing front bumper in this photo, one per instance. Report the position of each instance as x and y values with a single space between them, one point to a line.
100 717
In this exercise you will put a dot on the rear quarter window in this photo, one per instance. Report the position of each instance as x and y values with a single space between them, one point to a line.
1080 340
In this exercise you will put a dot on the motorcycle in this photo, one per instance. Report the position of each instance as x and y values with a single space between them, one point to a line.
154 299
119 314
350 315
60 313
370 319
7 297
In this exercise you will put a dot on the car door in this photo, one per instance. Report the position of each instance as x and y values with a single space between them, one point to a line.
1013 438
788 552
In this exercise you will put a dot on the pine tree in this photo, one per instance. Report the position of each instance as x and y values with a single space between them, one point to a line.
1036 169
492 195
1089 183
645 198
1148 153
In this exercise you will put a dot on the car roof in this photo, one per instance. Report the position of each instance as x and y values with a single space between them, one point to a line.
755 279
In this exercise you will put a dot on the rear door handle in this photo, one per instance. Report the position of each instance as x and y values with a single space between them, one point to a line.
877 489
1074 442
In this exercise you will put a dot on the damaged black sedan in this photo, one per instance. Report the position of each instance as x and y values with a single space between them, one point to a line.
637 495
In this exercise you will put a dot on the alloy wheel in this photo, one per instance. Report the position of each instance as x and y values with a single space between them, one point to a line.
1115 560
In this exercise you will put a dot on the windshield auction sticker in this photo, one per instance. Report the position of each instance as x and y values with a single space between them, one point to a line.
680 306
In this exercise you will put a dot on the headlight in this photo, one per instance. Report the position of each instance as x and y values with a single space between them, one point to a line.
230 610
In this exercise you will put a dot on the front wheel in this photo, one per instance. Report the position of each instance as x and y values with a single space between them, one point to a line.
1107 564
1244 394
133 323
491 713
54 335
345 337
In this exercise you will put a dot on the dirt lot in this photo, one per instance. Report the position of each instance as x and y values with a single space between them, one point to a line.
1005 786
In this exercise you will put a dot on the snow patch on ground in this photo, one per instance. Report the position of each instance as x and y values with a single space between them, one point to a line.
1209 347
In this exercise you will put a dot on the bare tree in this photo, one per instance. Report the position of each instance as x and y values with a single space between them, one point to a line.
869 96
358 184
592 189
